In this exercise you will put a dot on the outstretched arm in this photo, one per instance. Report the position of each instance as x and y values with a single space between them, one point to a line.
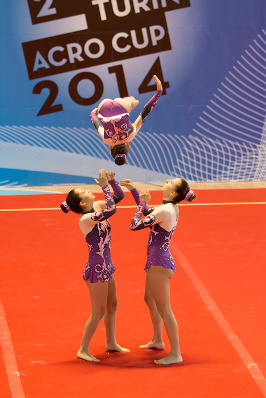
156 217
88 220
150 105
102 215
135 193
118 192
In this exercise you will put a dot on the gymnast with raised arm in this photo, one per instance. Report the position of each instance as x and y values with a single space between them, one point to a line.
160 265
111 120
98 273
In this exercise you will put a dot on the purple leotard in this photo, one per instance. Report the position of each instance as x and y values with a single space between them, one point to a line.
114 118
99 266
158 253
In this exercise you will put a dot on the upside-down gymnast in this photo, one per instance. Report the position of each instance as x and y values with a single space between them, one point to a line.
160 265
98 273
111 120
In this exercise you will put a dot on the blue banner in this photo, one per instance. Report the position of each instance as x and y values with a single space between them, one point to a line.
61 58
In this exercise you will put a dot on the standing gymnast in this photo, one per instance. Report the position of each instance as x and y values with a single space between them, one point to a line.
160 266
111 120
98 273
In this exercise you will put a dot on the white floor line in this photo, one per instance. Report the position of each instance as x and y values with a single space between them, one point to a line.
135 206
9 357
239 347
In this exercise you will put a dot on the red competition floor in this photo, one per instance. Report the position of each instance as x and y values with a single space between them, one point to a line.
218 297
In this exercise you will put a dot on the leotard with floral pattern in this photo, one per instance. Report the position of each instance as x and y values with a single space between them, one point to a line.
99 266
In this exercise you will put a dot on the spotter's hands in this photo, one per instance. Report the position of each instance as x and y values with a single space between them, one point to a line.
110 175
127 183
102 178
145 195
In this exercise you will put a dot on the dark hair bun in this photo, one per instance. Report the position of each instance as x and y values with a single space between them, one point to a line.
119 153
63 208
120 161
192 197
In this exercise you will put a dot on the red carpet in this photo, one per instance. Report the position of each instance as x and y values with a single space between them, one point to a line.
47 303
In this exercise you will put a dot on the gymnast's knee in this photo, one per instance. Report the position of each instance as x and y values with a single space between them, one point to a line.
164 310
111 306
98 313
149 300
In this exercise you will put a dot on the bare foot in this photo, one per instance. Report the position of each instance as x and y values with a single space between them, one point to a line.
170 359
115 347
154 345
87 356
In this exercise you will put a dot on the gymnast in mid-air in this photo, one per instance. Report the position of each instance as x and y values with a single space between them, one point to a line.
111 120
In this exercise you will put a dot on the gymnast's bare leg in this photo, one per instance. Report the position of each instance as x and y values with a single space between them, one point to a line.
110 319
128 103
103 303
158 279
157 340
98 294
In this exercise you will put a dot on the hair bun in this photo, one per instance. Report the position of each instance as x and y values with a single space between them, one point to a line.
192 197
120 159
64 207
189 194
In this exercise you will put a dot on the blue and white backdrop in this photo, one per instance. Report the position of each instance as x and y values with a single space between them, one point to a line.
60 58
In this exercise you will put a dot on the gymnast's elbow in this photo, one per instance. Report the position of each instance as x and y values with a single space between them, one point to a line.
114 211
133 227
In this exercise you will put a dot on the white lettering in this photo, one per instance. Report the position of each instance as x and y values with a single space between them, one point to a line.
100 3
155 4
74 55
122 42
155 38
87 48
157 33
40 62
46 10
138 4
115 45
121 13
51 54
145 38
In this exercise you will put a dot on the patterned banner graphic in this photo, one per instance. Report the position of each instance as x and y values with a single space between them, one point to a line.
60 59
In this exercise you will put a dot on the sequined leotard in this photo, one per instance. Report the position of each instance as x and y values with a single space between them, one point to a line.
99 266
114 120
158 253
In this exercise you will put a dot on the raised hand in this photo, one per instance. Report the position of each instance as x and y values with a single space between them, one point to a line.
110 175
145 195
127 183
158 83
102 178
